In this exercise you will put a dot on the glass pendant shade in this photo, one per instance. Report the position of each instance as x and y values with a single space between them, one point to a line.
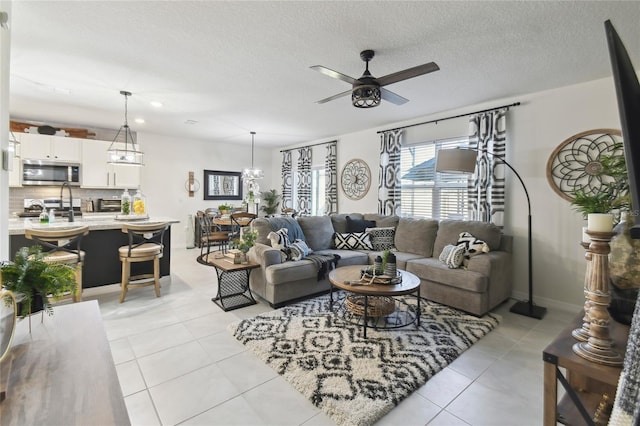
127 152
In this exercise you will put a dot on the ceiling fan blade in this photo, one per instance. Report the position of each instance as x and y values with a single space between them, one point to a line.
388 95
339 95
333 74
408 73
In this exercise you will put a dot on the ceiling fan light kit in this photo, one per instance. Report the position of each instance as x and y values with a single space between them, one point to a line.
367 91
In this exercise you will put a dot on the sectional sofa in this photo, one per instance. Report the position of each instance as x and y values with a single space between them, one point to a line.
477 287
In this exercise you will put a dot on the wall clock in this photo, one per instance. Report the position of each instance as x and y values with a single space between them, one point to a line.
355 179
575 163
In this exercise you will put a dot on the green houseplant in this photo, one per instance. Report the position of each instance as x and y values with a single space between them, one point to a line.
245 242
224 208
31 278
271 202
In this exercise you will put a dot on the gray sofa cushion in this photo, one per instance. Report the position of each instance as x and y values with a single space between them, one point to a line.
383 221
434 270
416 235
339 221
450 230
318 231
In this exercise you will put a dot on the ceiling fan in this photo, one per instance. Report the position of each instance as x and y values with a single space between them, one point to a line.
367 91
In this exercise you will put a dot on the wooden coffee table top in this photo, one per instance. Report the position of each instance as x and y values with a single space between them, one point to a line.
339 278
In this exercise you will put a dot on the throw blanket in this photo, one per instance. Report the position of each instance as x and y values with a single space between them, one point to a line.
293 228
324 263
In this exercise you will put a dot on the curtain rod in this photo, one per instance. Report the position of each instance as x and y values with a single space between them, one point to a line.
308 146
449 118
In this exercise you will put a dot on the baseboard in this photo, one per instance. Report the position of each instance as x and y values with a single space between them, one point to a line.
548 303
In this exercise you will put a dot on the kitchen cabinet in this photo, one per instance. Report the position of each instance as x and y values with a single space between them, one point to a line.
55 148
15 175
97 173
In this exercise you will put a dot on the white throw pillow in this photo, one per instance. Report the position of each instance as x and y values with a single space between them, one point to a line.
452 256
353 241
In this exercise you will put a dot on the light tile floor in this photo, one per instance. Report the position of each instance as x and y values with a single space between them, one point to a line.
177 364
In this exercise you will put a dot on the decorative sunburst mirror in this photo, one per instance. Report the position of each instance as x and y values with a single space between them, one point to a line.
575 164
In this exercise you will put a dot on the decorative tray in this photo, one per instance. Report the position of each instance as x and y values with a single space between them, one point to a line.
367 278
130 217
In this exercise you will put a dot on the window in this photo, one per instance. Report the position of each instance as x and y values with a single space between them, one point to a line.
427 193
318 207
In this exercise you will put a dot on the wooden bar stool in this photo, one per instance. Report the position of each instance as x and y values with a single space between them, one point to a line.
145 245
62 245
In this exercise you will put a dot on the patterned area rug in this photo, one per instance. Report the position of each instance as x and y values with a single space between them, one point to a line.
356 381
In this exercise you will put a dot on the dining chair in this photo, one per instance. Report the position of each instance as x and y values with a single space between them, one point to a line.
289 212
145 245
210 233
238 221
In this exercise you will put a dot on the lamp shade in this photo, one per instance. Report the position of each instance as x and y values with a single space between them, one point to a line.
456 160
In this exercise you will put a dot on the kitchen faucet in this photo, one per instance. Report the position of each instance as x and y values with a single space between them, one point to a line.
70 200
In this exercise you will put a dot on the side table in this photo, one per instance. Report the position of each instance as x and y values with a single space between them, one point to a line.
585 381
233 282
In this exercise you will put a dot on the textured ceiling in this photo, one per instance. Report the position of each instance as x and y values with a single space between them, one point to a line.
237 66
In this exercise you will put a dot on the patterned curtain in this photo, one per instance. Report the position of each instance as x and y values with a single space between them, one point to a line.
331 179
287 181
304 181
487 135
389 173
626 410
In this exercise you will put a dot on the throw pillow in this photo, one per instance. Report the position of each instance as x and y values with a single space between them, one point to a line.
472 246
353 241
298 250
359 225
279 239
452 256
382 238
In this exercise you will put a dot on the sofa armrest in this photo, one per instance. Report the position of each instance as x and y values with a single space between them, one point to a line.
484 263
265 255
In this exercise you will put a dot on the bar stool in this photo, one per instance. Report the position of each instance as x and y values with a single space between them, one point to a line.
62 245
145 245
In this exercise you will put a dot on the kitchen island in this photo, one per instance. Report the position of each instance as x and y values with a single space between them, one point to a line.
102 264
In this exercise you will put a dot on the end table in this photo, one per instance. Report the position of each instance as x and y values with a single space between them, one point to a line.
233 282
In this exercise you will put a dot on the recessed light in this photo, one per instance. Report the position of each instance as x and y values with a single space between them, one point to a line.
156 104
140 120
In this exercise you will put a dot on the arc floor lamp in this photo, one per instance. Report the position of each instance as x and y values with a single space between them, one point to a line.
460 160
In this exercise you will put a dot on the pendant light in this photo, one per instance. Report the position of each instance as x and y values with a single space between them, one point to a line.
126 153
252 173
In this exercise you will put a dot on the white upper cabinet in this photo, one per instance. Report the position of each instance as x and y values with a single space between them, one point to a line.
97 173
54 148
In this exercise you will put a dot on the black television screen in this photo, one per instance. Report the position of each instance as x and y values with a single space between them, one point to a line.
628 95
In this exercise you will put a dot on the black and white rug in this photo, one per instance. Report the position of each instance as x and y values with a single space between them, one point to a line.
356 381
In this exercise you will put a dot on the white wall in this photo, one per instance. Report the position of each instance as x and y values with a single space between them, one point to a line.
535 128
168 161
5 38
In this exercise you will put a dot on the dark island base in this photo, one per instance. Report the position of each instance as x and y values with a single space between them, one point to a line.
102 264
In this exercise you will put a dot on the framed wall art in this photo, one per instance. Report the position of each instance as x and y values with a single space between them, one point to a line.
219 185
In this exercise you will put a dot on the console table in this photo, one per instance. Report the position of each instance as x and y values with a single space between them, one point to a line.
585 381
63 372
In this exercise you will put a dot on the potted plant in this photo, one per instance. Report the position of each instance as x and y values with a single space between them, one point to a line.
34 280
245 242
224 208
271 202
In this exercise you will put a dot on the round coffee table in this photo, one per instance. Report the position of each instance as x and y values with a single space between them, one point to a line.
374 300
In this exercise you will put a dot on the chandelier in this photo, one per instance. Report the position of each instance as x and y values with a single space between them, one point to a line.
252 173
127 152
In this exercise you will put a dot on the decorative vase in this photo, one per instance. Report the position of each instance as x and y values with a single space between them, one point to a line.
624 270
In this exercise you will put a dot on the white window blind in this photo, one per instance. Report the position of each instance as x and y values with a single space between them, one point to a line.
428 193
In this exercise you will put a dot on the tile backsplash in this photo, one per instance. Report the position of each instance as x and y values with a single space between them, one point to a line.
17 195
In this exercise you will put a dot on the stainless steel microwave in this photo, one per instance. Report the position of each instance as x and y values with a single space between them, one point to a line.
38 172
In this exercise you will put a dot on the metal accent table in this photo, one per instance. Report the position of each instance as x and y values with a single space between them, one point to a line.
410 284
233 282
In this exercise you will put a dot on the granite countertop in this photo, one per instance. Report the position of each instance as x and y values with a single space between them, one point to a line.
95 221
